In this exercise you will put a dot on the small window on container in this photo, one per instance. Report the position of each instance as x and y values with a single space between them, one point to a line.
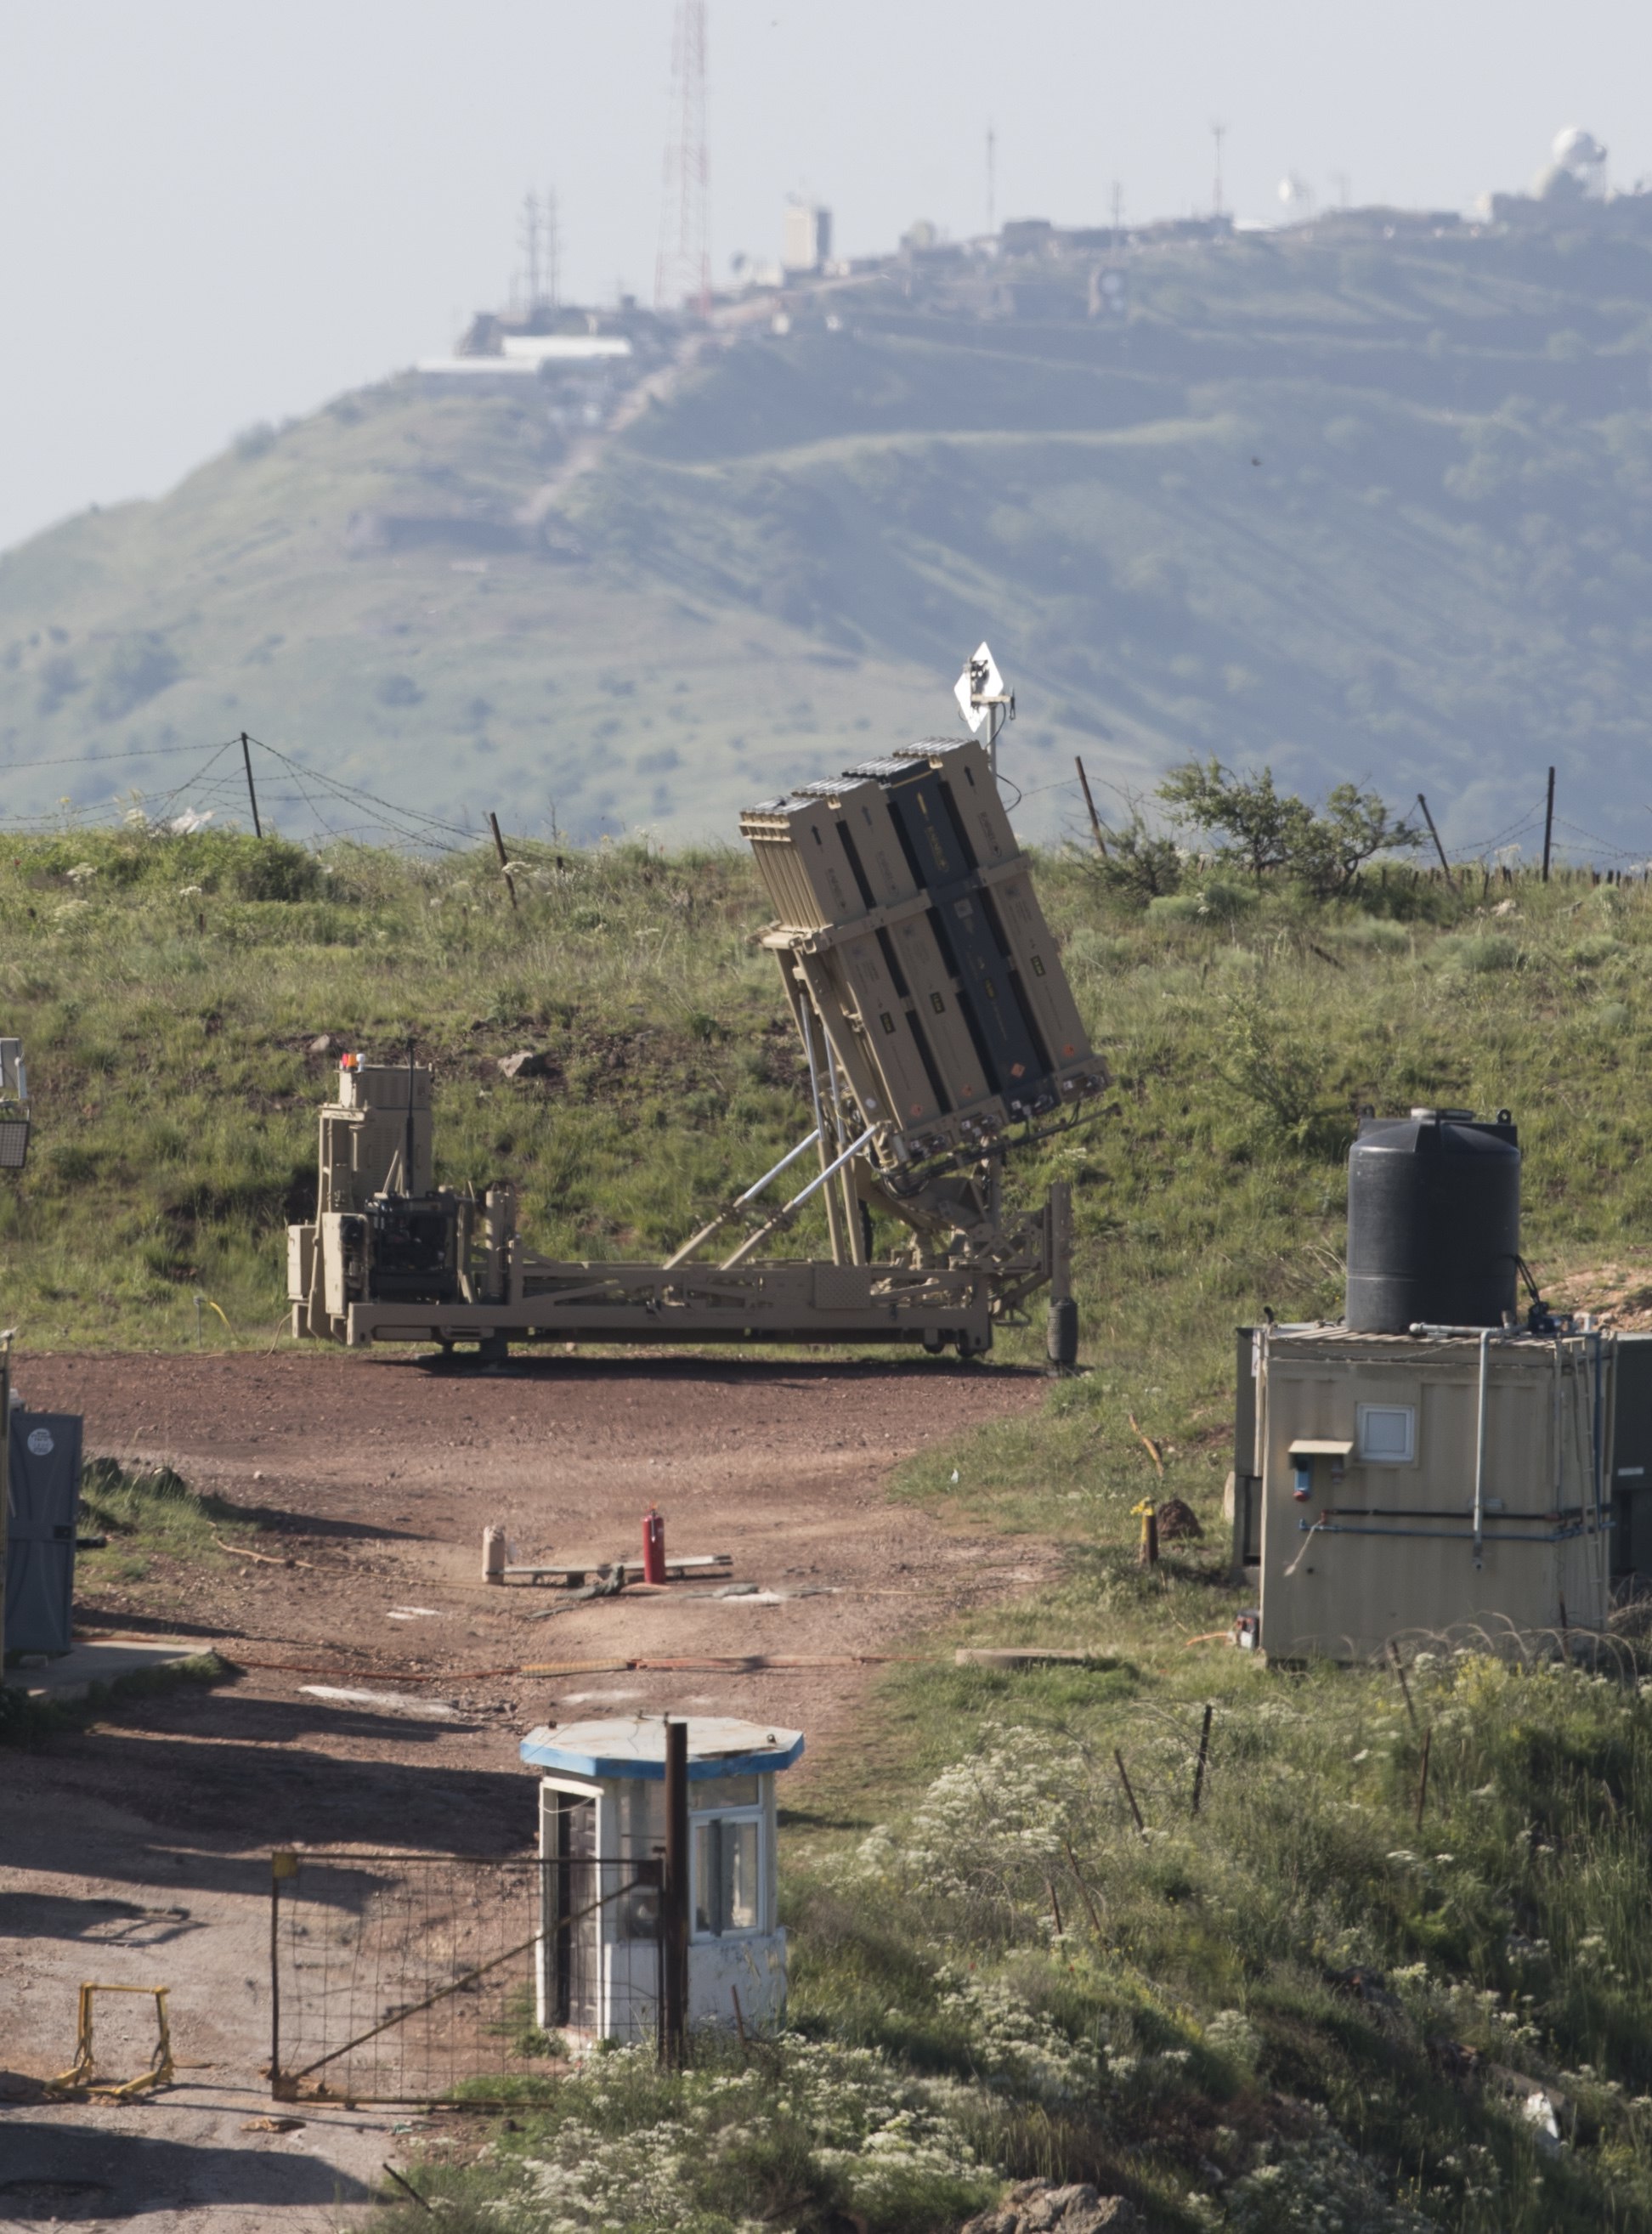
1388 1434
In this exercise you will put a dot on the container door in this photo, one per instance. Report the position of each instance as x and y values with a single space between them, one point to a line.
570 1975
42 1510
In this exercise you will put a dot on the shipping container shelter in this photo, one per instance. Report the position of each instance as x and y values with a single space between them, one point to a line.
1442 1484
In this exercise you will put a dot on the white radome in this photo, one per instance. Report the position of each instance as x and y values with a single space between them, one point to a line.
1577 150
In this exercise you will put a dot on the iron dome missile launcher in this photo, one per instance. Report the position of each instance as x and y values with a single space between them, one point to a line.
940 1033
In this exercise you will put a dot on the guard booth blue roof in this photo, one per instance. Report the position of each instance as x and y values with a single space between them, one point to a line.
634 1746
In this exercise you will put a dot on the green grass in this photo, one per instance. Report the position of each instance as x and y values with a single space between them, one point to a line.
26 1721
147 1513
1197 2026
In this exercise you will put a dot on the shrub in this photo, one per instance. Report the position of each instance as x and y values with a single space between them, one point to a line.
1372 934
1285 1078
1476 953
1270 831
1088 950
1140 865
276 869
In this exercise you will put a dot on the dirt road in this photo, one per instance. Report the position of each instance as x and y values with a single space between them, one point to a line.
138 1852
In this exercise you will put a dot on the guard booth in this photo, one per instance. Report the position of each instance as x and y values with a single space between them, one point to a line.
602 1828
42 1489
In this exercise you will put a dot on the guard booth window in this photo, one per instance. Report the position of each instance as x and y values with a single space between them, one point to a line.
727 1858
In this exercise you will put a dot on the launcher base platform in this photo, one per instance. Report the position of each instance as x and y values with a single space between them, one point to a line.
940 1034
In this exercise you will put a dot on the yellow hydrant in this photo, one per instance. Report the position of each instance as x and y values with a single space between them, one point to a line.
1147 1513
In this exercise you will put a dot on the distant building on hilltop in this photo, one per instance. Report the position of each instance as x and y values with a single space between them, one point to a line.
1573 189
805 244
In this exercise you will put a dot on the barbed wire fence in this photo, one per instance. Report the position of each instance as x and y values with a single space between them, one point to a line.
1504 851
221 787
319 807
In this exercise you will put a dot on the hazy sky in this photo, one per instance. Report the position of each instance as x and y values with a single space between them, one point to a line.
212 212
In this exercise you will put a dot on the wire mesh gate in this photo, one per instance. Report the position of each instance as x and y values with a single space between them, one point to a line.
425 1977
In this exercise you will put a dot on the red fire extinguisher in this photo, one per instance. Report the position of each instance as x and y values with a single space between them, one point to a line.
653 1547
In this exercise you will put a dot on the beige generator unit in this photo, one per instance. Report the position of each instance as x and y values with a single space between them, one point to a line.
603 1836
940 1034
1452 1483
1436 1464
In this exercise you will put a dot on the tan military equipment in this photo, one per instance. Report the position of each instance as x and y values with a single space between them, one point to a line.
940 1031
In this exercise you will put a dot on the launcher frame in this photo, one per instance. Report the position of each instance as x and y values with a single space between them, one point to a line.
940 1034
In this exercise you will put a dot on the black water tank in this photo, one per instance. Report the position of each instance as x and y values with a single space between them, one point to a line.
1434 1221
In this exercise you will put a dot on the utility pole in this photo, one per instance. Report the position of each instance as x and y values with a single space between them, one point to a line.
1548 825
246 762
1219 133
992 181
1118 212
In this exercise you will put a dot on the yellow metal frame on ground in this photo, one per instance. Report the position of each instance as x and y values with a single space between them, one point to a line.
79 2080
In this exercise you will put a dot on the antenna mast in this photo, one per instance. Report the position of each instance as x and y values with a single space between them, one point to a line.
683 272
530 241
551 245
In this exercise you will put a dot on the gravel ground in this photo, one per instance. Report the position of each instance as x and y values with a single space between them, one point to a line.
137 1851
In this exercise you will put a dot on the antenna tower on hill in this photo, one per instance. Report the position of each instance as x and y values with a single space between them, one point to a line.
683 272
539 286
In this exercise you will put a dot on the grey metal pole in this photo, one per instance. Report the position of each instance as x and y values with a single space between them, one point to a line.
407 1159
741 1201
674 1892
798 1199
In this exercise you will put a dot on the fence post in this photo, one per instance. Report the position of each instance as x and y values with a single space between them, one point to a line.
252 796
1204 1756
675 1895
283 1863
1095 820
1434 834
504 860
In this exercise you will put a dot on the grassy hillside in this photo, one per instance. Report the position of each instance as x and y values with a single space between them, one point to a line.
168 990
1299 2009
1344 503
